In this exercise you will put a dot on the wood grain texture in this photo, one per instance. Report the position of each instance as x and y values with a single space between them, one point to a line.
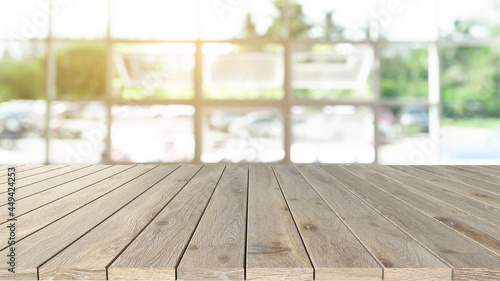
28 171
157 251
470 191
475 207
23 182
101 183
393 248
32 202
235 222
335 252
452 247
217 249
491 167
88 257
42 245
60 180
391 181
454 176
474 172
274 247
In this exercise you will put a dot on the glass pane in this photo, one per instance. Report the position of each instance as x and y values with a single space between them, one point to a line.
22 131
242 135
332 134
243 71
332 71
154 19
72 21
22 112
154 71
333 19
407 20
81 71
155 133
404 71
471 105
232 19
78 131
465 19
404 136
24 19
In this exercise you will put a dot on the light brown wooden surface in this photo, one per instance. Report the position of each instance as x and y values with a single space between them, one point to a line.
159 248
394 249
257 222
217 249
321 229
274 247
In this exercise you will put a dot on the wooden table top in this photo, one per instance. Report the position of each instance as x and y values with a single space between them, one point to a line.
256 222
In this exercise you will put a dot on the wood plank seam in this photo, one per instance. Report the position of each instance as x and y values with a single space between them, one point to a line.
294 221
456 177
198 222
35 172
342 220
48 171
142 230
73 212
393 223
64 248
246 226
492 175
443 202
473 206
69 194
71 180
469 191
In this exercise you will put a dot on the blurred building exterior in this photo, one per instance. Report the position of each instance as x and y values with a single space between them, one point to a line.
280 81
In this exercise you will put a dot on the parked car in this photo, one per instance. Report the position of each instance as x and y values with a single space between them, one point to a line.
415 116
256 124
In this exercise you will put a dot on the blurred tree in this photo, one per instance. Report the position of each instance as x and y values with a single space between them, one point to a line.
470 82
81 71
332 31
404 72
249 30
21 78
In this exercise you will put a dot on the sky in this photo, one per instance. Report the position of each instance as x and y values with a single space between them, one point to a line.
224 19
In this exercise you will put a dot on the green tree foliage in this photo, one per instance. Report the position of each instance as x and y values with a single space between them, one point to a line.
21 78
471 82
404 72
81 72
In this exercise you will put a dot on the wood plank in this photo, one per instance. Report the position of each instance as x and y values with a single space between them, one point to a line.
58 181
399 254
39 178
472 174
336 254
452 247
466 203
38 211
411 190
32 172
20 194
19 168
492 167
42 245
156 252
494 175
477 194
88 257
274 247
451 175
217 249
